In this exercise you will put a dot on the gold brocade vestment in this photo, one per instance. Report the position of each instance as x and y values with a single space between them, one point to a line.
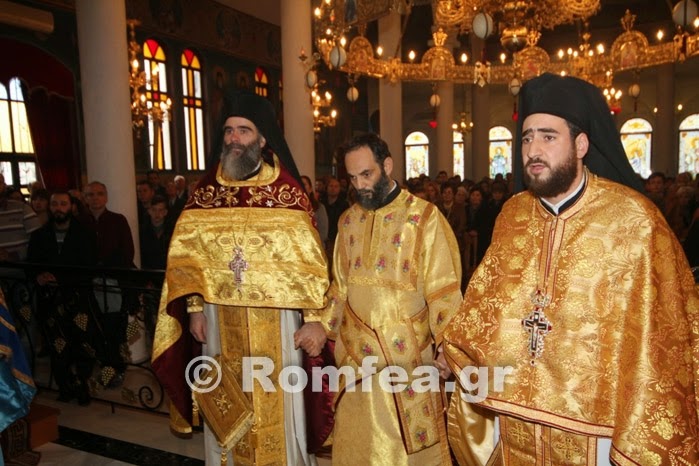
620 360
268 219
396 285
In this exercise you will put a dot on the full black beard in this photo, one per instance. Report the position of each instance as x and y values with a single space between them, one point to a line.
237 168
60 219
558 183
372 199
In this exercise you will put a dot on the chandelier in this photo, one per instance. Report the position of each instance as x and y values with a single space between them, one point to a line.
519 24
323 113
143 85
516 18
464 125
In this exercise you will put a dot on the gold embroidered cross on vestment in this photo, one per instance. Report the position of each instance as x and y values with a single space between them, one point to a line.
238 265
537 325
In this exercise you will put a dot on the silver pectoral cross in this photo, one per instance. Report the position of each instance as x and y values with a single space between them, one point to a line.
537 325
238 265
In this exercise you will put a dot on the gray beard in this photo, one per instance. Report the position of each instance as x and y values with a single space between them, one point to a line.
238 167
372 199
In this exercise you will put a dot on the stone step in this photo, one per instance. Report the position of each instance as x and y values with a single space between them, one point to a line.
43 424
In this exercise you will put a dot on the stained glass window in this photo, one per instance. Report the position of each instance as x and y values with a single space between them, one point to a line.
261 82
417 150
155 65
193 111
458 154
689 145
636 135
17 158
500 150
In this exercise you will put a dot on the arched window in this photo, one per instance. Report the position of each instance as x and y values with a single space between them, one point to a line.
417 150
17 158
154 63
261 82
458 153
689 144
500 150
636 136
193 112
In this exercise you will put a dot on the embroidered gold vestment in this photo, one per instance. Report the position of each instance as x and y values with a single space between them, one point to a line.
266 222
620 357
396 285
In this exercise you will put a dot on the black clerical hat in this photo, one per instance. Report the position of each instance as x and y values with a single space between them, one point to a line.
582 104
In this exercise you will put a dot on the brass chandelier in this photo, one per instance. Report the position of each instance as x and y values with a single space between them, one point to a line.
142 85
519 24
517 17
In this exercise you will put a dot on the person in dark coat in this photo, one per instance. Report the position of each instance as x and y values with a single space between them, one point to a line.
155 236
65 310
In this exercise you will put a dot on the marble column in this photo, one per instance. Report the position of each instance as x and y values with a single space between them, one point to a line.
445 118
480 142
480 114
102 44
298 112
665 139
390 97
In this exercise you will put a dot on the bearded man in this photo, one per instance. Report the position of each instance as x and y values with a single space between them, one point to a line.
396 284
245 257
64 303
584 299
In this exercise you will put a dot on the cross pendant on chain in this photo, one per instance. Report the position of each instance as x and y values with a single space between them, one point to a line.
537 325
238 265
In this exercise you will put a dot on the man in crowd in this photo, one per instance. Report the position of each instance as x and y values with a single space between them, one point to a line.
114 240
244 258
153 177
585 294
177 196
442 178
155 235
335 205
396 285
65 309
115 248
144 193
181 188
655 189
17 221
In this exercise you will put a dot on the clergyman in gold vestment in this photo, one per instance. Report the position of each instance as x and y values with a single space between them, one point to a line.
246 257
586 294
396 284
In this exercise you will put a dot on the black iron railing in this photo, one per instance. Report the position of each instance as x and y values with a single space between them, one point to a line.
95 317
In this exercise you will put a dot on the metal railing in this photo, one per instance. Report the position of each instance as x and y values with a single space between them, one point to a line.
116 309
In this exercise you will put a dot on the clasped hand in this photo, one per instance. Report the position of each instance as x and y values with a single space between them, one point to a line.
311 338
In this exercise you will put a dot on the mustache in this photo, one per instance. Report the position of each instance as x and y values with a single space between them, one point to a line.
536 160
60 216
234 146
365 192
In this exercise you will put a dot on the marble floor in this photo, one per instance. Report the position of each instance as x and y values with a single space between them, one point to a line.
106 434
103 434
124 425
